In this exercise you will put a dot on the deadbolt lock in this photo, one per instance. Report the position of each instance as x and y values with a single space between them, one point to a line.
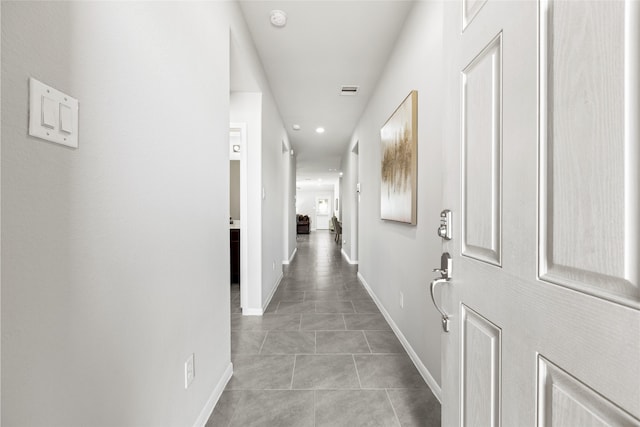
444 230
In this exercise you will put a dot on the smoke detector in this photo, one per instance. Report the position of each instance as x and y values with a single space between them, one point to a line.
278 18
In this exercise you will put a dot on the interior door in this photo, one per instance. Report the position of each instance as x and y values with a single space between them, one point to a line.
541 157
322 213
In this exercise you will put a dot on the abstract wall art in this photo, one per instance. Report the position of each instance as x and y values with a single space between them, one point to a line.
399 163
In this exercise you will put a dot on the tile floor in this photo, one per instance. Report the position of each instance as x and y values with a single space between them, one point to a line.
322 355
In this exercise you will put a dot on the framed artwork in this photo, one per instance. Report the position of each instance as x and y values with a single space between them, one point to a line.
399 163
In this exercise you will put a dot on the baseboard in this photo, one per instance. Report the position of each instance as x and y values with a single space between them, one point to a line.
206 412
273 291
290 260
428 378
344 254
252 312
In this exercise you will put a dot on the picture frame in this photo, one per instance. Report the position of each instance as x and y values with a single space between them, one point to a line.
399 163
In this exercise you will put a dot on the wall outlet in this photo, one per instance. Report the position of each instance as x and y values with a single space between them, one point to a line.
401 300
189 371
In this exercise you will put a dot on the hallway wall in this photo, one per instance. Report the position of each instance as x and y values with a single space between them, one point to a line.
274 184
395 257
114 266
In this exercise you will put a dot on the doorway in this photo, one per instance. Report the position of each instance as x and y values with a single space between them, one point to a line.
237 212
323 209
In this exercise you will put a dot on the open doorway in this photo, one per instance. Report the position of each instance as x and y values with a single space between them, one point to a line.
237 212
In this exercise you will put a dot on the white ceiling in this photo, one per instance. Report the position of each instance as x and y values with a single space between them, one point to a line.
325 44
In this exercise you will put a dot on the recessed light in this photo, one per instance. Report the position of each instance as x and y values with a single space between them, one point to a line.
278 18
340 173
320 130
296 127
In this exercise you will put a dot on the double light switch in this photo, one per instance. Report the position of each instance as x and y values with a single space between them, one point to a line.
53 115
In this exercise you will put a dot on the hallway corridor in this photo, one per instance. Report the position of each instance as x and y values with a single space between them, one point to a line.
322 355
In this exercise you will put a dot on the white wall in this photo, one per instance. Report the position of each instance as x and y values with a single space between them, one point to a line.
273 182
349 200
393 257
114 265
290 206
234 189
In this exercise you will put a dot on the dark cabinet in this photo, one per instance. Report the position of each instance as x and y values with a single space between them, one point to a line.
235 254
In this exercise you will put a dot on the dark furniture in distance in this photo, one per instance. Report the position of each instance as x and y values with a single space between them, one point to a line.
304 224
234 237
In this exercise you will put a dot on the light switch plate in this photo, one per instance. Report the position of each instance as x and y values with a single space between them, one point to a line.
53 115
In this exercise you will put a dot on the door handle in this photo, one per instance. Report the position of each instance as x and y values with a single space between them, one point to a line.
445 277
432 288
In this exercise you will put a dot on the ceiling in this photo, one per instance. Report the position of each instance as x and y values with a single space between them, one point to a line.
324 45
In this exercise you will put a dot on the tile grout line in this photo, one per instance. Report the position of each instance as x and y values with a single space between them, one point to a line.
392 407
263 341
293 371
353 356
367 340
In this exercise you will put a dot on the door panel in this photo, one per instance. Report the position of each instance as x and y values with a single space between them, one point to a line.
482 147
565 401
481 365
588 178
541 162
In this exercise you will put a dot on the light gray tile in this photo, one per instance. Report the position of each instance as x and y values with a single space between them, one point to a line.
334 307
351 294
288 296
388 371
289 342
323 322
261 372
292 307
369 322
321 295
325 372
384 342
365 306
278 408
341 342
416 408
333 284
247 342
347 408
267 322
225 408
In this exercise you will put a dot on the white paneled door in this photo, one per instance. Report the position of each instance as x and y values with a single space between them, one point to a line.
542 156
323 209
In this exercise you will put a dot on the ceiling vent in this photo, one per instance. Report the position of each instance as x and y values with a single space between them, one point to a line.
349 90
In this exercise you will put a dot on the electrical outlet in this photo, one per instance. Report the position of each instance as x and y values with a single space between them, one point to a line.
401 300
189 371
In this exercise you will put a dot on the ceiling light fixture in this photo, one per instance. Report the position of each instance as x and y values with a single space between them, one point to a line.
296 127
278 18
320 130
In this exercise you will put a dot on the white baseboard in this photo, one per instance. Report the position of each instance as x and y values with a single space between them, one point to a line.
273 291
344 254
290 260
206 412
260 311
426 375
252 312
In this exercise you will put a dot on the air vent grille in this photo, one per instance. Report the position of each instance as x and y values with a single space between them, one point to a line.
349 90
